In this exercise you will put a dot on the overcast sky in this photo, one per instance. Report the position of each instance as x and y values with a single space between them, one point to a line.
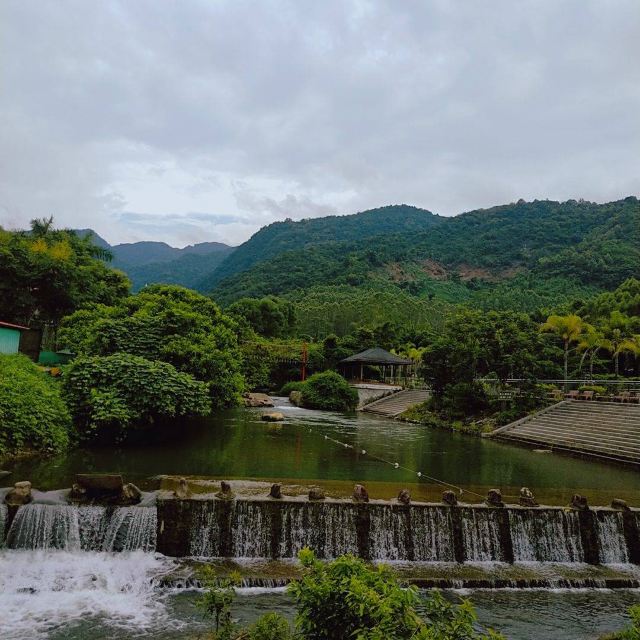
190 120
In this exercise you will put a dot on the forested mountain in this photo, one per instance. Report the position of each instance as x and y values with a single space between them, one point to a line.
516 255
280 237
153 262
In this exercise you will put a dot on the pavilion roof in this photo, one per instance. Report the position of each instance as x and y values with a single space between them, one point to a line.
375 356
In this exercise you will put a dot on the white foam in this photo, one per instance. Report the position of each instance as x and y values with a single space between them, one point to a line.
44 590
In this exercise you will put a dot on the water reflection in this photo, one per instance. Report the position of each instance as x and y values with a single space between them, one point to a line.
237 444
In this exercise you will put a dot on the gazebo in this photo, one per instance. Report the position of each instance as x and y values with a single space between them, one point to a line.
392 366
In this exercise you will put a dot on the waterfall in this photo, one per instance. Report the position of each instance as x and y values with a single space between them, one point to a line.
613 545
481 535
432 531
552 535
4 512
86 528
259 528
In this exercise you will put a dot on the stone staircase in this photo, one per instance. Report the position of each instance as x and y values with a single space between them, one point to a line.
395 404
603 430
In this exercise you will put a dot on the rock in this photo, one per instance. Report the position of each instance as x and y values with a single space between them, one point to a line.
182 492
449 497
526 498
20 494
276 491
360 494
130 494
225 492
77 493
494 498
274 416
579 502
257 400
295 398
541 450
100 484
616 503
4 474
316 493
404 497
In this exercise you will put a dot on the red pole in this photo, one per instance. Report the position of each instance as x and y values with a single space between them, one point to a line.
303 373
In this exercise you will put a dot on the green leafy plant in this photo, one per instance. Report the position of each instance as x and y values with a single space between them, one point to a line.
32 413
328 391
348 598
111 395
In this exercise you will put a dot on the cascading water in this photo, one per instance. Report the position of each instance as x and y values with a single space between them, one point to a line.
86 528
4 512
549 536
613 545
481 535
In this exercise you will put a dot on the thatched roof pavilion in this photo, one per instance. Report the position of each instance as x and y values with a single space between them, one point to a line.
391 365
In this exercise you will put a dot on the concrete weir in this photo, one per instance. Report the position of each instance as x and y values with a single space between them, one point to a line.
280 528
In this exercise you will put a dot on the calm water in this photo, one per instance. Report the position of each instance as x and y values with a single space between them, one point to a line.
236 444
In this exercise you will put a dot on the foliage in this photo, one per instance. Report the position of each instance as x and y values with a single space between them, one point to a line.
47 273
328 391
530 255
216 601
464 399
291 386
271 626
632 632
598 390
110 395
32 413
347 598
569 329
269 317
167 323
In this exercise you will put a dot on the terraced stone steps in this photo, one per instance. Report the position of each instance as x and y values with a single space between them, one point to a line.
397 403
599 430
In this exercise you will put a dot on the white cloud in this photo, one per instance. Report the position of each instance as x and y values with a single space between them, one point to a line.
298 108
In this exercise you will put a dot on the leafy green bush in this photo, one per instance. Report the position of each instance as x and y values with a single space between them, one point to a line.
291 386
464 399
597 389
271 626
328 391
347 598
112 394
166 323
630 633
32 413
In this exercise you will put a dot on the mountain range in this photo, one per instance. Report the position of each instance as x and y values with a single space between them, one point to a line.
521 255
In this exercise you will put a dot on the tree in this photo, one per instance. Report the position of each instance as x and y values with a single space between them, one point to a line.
167 323
568 329
328 391
618 332
270 317
591 342
109 396
46 274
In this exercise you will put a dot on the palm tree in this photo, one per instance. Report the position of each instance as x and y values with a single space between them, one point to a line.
569 329
590 343
617 331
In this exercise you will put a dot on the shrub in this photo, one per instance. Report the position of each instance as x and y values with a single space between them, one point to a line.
347 598
32 413
328 391
113 394
271 626
291 386
464 399
601 391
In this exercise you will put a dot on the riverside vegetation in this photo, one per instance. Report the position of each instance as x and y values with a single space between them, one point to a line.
457 327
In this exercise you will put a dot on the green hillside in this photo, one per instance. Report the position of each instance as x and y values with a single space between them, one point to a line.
281 237
522 255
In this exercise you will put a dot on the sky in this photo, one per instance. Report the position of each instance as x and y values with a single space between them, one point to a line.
203 120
